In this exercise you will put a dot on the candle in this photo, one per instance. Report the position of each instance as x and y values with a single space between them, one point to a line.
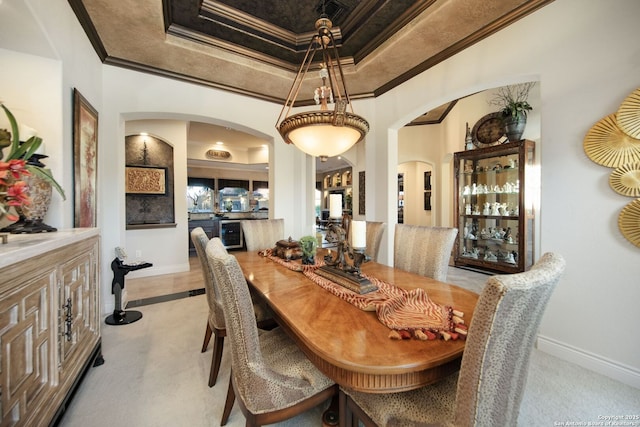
335 205
26 132
358 234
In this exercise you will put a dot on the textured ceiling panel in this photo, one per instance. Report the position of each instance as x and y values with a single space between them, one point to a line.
255 47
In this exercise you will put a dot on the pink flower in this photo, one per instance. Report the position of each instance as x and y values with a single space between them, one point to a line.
13 191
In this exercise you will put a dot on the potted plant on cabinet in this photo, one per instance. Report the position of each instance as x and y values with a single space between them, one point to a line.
514 106
25 182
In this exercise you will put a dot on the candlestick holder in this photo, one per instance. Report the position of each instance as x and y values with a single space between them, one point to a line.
338 269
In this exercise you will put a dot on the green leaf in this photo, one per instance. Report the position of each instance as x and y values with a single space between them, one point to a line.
26 150
15 137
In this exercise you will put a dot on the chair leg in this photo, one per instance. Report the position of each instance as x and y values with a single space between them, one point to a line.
207 337
228 405
216 358
346 419
331 417
355 415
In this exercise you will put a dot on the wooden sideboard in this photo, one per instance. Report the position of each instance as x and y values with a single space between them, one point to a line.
49 322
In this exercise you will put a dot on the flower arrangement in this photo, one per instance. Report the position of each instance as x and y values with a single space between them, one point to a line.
16 165
512 100
13 191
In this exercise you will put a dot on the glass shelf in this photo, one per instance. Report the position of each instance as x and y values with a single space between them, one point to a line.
489 182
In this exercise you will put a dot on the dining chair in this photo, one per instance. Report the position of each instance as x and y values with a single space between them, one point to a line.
488 389
270 375
262 234
215 321
423 250
374 237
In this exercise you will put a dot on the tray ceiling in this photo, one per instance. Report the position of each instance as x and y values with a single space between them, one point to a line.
255 47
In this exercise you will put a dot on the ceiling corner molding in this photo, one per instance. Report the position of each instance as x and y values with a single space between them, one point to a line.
90 30
468 41
125 63
188 34
409 15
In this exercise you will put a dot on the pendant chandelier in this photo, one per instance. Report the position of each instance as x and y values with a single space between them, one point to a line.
322 133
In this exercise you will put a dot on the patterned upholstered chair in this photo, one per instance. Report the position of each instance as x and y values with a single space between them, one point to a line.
270 375
489 388
424 250
374 237
215 322
262 234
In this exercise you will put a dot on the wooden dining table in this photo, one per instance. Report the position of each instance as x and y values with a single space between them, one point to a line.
349 345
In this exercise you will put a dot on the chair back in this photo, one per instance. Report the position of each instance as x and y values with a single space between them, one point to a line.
423 250
259 387
241 324
374 237
200 241
499 343
262 234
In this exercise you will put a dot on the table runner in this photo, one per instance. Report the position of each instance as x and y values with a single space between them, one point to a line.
408 313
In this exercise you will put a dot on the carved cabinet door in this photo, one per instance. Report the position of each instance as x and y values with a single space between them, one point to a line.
78 325
26 342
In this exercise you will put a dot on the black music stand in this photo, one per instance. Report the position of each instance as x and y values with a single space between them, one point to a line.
120 269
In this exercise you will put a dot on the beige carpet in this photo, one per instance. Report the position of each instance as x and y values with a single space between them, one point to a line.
155 375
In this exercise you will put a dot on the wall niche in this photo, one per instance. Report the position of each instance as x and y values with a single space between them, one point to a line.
149 182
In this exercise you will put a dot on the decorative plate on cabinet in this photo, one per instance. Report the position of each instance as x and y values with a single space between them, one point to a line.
625 180
609 146
628 116
629 222
488 131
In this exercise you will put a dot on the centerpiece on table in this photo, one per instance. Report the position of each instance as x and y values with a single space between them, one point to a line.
514 107
25 182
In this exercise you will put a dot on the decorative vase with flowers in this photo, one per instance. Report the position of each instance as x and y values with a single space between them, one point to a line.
514 106
25 184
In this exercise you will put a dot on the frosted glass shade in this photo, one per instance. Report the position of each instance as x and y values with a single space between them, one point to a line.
316 134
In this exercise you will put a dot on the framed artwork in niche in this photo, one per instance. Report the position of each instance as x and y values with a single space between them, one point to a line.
427 200
427 181
85 161
145 180
361 193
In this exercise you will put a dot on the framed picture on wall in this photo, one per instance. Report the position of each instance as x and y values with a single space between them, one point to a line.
85 161
427 200
427 181
145 180
361 193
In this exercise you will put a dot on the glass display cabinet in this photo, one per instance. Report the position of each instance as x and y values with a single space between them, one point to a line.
493 212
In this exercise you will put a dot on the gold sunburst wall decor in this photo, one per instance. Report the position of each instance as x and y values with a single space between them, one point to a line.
628 115
625 180
614 142
607 145
629 222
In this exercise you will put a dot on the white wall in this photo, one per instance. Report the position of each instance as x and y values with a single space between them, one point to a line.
414 212
30 89
582 79
583 52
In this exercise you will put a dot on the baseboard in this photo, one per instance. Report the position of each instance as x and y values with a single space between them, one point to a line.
610 368
158 270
